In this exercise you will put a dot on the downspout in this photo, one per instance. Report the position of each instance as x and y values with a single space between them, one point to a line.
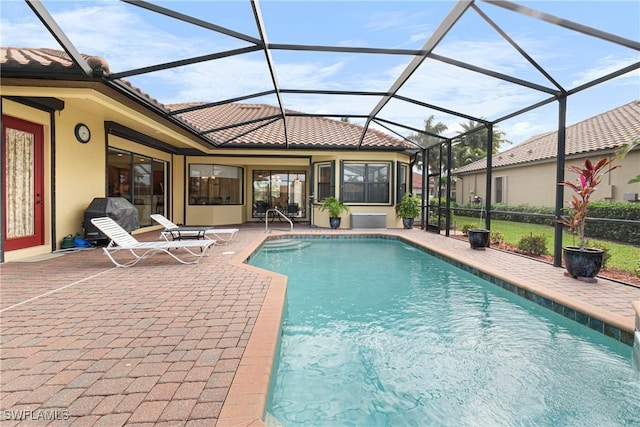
185 184
53 182
560 156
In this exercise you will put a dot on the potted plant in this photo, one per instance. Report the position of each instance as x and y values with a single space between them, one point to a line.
478 237
408 209
335 208
581 261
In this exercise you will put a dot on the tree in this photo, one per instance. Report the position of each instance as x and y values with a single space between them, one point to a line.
427 139
624 150
466 149
473 146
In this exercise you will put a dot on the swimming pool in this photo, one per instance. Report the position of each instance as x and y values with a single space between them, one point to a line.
377 332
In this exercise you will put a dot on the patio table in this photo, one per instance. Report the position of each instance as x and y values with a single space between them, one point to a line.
186 233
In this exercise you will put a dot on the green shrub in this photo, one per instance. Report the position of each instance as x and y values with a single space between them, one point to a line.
623 233
475 213
466 227
496 237
533 244
523 213
629 233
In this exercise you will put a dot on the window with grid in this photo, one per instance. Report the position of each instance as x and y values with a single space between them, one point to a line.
366 182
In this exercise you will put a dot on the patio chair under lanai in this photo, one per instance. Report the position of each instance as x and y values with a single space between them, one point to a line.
178 232
120 240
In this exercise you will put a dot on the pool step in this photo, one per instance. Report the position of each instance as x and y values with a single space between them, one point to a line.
271 421
284 245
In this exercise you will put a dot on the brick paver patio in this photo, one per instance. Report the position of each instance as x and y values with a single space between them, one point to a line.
160 343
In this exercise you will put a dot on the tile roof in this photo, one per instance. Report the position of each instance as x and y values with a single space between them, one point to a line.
47 60
267 128
219 124
605 131
416 181
52 62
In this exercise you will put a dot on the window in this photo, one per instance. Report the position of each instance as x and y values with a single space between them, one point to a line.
403 178
139 179
119 171
500 189
278 189
325 178
215 185
158 169
366 182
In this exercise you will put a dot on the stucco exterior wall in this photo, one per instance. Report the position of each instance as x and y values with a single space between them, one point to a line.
178 184
80 169
219 215
76 173
79 173
321 219
535 184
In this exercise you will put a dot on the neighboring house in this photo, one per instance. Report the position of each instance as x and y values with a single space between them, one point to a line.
69 138
417 185
526 174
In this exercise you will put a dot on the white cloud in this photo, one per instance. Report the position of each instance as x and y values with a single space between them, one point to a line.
608 65
209 81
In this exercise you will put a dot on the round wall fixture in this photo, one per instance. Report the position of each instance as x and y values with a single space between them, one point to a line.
83 134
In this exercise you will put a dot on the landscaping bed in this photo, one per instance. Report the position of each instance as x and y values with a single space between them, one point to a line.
608 273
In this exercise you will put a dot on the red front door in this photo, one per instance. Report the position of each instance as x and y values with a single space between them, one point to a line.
23 183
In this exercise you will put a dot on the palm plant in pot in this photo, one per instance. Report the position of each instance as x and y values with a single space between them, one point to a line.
335 208
580 261
408 209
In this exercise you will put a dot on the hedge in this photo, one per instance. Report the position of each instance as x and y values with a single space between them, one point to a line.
627 233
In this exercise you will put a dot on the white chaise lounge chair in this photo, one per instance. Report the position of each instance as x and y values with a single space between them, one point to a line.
177 232
120 240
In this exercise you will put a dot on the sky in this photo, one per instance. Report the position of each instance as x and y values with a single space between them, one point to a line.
130 37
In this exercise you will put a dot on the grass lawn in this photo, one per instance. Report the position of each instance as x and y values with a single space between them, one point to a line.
623 257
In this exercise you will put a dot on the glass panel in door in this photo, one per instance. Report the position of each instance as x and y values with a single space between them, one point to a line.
23 167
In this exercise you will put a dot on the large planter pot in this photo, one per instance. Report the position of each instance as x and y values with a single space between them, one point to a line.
434 228
582 263
407 222
478 238
334 222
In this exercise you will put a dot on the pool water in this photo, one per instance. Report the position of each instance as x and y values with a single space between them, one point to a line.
379 333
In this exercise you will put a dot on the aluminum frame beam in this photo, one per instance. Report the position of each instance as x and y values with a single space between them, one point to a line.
565 23
191 20
449 21
255 6
419 56
47 20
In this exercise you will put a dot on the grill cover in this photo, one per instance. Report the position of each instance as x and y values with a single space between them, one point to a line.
118 209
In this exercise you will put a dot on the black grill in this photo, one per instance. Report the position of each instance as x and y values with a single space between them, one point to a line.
118 209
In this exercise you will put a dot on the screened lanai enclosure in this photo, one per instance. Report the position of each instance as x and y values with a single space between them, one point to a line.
438 75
